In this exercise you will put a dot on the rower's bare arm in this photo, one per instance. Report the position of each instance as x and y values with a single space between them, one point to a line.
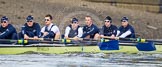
45 33
57 36
26 36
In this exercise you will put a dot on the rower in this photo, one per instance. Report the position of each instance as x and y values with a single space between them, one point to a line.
125 30
30 29
90 30
108 29
50 30
7 31
73 30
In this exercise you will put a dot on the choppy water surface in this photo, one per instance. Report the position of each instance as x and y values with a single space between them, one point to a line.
81 60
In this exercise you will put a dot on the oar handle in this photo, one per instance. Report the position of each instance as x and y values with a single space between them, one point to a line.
75 38
127 39
107 37
35 38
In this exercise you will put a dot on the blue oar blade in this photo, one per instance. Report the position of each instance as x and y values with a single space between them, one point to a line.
110 45
149 46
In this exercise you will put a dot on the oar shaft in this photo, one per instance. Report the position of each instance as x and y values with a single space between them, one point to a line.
82 41
33 41
42 39
8 41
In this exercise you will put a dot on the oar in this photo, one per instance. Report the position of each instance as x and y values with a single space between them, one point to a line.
79 41
39 41
82 39
133 39
121 40
61 41
142 44
7 41
109 45
46 39
21 41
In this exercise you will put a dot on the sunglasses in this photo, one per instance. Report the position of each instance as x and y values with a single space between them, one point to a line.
4 22
46 19
107 21
30 21
74 22
124 21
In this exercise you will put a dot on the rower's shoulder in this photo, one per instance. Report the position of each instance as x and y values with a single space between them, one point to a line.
130 26
10 26
36 23
113 25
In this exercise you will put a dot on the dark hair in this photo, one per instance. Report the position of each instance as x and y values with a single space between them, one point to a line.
48 15
89 16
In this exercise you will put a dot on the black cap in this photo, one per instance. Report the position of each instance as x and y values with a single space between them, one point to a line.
29 18
108 18
4 18
74 20
124 19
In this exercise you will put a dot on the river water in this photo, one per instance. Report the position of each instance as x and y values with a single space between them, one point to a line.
82 60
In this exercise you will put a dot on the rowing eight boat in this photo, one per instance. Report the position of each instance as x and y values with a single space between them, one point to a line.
62 48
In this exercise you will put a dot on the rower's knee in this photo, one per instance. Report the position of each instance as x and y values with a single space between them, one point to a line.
97 36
